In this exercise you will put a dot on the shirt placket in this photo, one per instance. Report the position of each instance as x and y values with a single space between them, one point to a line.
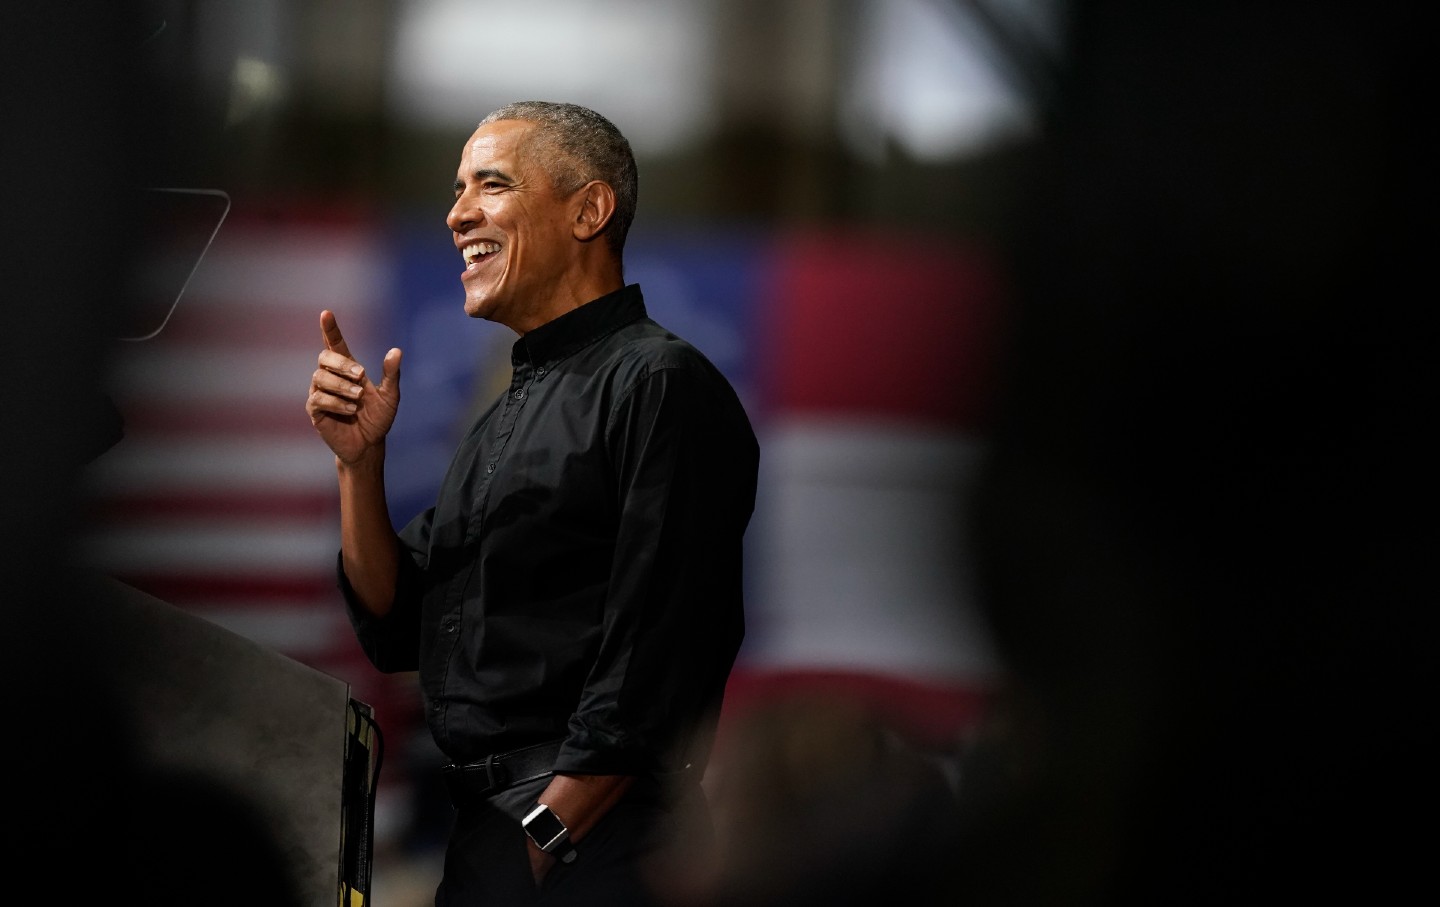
493 454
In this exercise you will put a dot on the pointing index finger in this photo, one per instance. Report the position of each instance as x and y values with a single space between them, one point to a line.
330 331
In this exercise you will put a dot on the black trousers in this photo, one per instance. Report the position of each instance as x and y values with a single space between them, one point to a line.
622 862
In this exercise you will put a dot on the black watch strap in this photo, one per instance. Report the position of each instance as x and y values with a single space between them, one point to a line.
549 833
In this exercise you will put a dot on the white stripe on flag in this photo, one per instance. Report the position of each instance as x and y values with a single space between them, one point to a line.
189 548
305 267
866 562
213 464
215 378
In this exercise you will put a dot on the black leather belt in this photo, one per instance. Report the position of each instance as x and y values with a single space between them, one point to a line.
474 781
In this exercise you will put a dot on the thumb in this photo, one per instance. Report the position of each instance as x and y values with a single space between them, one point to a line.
390 368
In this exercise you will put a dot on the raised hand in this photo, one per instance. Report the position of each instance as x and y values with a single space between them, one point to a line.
349 411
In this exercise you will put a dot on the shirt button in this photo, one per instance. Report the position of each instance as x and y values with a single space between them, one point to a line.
520 394
540 371
489 468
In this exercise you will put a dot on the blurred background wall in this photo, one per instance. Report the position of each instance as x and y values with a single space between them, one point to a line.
1073 335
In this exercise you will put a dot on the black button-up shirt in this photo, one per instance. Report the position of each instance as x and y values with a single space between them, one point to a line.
579 576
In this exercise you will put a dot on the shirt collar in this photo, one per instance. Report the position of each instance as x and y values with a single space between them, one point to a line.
579 327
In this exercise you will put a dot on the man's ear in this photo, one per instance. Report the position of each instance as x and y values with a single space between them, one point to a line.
597 204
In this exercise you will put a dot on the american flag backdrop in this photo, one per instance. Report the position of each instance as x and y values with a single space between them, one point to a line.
220 499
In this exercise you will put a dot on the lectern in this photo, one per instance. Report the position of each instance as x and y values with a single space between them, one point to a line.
206 701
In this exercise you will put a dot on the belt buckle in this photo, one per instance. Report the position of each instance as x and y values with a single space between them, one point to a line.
466 783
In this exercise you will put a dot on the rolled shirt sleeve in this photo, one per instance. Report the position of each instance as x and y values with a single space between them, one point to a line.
685 463
392 642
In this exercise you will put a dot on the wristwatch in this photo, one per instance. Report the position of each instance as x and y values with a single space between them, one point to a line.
549 833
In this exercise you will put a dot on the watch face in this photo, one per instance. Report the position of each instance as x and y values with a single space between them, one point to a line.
544 827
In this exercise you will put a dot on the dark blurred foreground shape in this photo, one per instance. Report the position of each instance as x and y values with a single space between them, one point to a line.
102 683
68 152
1203 522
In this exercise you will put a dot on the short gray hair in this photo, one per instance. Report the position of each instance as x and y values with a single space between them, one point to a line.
580 146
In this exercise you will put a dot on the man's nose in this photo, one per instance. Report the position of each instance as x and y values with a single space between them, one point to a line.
462 214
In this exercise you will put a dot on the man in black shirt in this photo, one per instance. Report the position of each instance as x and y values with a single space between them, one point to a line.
572 601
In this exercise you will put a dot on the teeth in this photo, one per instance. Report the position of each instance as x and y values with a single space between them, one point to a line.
475 251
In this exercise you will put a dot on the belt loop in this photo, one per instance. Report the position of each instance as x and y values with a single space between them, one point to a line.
490 771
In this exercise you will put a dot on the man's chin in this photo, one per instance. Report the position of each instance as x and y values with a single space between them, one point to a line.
487 306
478 307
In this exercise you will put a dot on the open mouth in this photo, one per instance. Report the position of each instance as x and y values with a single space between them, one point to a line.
478 252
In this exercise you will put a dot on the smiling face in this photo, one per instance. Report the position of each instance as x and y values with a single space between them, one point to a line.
513 230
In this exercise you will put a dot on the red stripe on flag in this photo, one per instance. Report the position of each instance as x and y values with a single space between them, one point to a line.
273 326
248 419
928 713
217 588
220 506
872 324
